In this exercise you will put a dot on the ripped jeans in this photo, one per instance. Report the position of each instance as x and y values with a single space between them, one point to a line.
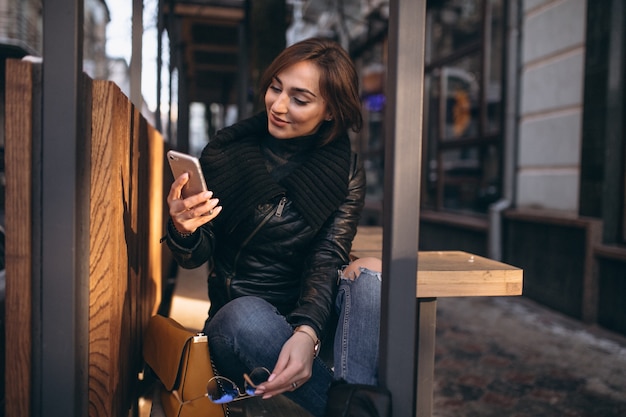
357 337
249 332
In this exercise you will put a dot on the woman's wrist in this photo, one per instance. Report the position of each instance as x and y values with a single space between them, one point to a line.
312 335
178 233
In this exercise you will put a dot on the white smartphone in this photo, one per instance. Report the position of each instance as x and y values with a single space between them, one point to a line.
181 163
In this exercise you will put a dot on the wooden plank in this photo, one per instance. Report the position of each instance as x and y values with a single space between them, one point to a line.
21 83
151 290
125 182
135 211
449 273
461 274
126 214
108 259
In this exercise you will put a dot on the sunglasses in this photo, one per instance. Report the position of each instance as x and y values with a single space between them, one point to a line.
222 390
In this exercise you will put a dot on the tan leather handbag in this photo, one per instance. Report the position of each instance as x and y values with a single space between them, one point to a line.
181 361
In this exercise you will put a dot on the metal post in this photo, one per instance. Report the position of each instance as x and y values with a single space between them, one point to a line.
615 148
401 203
513 12
173 47
62 384
426 319
135 58
182 127
157 112
243 71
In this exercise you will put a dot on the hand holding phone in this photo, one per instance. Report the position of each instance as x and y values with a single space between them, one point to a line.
181 163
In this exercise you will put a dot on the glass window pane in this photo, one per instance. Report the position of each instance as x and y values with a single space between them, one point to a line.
455 24
372 135
373 157
463 109
494 79
470 178
431 138
460 92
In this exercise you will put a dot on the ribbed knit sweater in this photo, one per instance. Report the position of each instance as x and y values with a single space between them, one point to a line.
235 170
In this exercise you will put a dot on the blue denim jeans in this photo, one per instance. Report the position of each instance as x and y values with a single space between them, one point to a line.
248 332
356 339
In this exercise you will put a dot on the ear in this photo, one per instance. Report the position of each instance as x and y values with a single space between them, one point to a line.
329 117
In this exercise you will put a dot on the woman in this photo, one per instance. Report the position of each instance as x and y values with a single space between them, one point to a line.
285 198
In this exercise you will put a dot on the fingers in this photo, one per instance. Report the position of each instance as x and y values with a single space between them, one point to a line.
177 187
187 220
293 368
353 270
194 206
278 385
188 214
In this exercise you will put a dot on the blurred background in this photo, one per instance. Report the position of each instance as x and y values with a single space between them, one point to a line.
523 149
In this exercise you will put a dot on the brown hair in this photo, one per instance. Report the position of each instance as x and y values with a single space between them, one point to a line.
339 83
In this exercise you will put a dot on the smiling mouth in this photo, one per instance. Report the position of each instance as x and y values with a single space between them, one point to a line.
277 120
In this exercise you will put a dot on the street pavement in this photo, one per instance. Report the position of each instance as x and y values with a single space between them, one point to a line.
509 356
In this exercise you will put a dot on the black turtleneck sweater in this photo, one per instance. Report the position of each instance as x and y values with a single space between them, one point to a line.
282 156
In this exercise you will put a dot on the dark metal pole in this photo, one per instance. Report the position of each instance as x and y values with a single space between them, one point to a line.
244 64
401 202
182 126
63 383
427 320
136 58
615 134
173 46
157 112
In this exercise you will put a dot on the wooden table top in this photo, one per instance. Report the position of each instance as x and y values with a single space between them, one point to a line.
449 273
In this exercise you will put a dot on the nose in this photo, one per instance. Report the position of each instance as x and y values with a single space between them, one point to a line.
280 105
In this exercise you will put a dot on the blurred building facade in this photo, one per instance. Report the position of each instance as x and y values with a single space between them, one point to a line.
21 35
524 144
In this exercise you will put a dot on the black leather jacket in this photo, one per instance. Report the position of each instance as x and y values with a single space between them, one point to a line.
277 256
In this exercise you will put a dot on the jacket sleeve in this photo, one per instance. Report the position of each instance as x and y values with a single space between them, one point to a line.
193 251
329 252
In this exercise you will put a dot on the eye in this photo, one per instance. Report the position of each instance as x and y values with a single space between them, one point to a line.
274 88
300 102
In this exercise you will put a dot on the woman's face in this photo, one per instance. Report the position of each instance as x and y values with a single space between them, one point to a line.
293 102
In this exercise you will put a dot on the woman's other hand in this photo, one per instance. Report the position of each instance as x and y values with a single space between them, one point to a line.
192 212
294 366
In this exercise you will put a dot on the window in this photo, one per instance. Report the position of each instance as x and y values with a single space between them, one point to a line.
463 105
370 142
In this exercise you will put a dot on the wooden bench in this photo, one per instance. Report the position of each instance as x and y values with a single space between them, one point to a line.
448 273
442 274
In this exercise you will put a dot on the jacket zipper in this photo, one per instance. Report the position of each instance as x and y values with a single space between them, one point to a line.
281 207
278 212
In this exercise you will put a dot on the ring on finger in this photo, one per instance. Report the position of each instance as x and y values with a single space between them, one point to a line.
294 385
